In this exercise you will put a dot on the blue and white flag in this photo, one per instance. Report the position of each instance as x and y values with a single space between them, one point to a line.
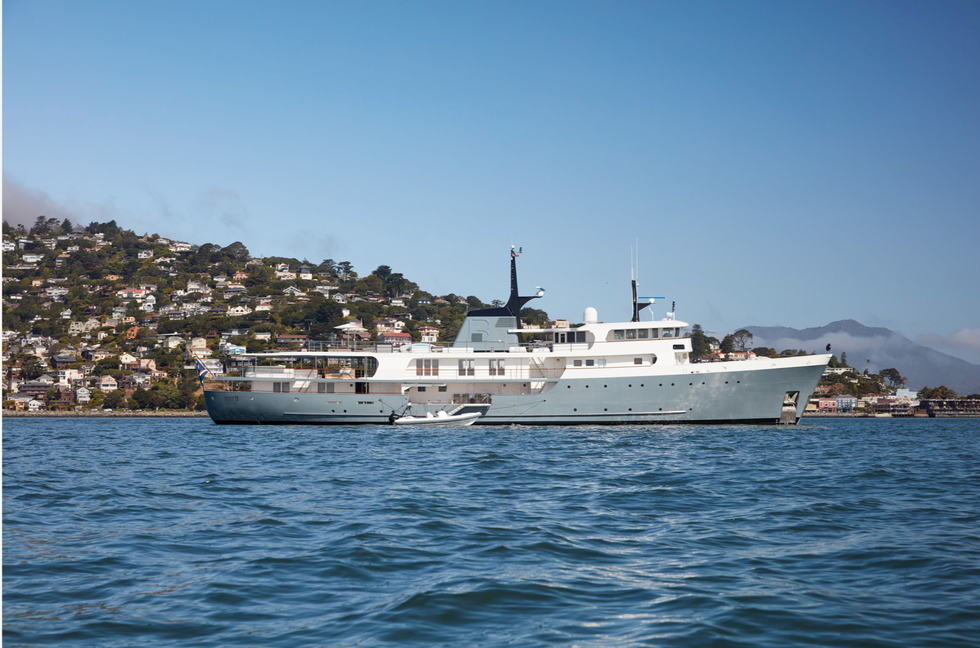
202 371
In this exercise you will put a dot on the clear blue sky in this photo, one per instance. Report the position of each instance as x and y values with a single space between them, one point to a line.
780 163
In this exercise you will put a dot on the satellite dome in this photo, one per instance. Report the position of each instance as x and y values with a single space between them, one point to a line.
590 316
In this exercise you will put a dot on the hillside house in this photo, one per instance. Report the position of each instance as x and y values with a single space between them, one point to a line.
395 337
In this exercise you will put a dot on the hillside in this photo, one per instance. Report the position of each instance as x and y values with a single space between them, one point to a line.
876 349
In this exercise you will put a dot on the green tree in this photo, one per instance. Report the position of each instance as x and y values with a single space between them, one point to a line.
700 348
742 338
892 376
728 343
114 399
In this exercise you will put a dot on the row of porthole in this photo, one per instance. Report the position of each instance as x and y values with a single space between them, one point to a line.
296 400
660 385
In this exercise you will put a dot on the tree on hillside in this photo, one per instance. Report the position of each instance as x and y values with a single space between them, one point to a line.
843 358
742 338
699 343
938 393
728 343
892 376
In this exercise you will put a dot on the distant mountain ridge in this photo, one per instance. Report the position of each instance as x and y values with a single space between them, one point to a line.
883 347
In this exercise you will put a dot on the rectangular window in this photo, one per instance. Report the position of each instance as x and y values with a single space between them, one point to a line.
577 363
677 332
631 334
418 367
442 388
619 335
321 388
654 333
421 389
643 334
580 337
497 367
330 388
590 363
637 361
280 387
466 367
668 333
602 362
435 367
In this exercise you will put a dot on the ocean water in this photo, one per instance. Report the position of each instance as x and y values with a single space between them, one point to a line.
154 532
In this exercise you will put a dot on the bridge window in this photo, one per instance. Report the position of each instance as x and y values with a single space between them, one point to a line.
643 334
619 335
631 334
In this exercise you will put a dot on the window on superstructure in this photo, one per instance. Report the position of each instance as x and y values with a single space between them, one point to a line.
654 333
601 362
668 333
466 367
619 335
421 389
497 367
631 334
577 363
643 334
590 363
637 361
418 367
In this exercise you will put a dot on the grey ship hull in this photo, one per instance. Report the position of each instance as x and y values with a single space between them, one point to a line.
751 396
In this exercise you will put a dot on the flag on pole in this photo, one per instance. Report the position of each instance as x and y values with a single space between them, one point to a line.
202 371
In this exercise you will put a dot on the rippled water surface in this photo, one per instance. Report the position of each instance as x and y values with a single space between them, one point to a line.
845 532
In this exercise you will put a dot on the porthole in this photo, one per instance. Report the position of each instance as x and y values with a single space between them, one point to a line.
660 409
574 409
604 386
629 385
296 400
630 409
671 384
605 409
690 384
586 386
702 382
569 386
661 384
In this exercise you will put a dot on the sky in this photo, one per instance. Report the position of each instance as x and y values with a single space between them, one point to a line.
772 163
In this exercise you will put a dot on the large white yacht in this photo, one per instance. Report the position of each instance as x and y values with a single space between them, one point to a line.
592 373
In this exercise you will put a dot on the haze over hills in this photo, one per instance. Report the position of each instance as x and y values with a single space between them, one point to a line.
876 349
